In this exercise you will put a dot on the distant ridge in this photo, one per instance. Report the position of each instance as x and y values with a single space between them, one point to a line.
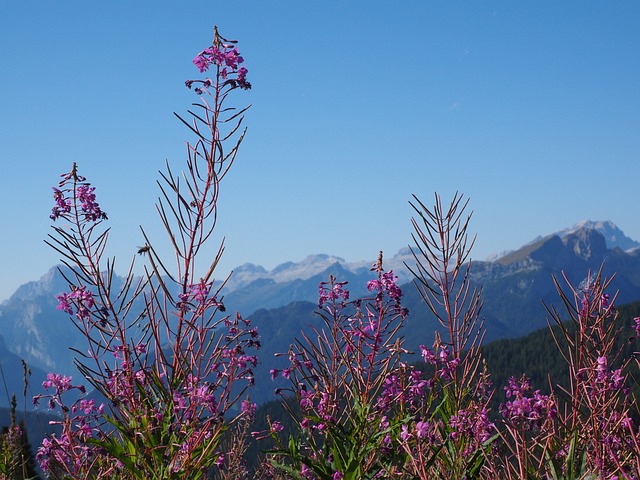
513 288
613 236
311 266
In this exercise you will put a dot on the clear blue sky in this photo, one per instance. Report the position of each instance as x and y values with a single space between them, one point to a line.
531 109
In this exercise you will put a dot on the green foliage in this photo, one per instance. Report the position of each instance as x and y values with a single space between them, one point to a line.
538 356
16 459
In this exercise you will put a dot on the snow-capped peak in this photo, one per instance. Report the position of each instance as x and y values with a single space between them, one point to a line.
614 237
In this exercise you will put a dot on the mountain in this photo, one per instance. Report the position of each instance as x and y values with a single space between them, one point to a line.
252 286
36 331
514 288
613 236
32 326
18 378
515 284
308 268
283 299
267 293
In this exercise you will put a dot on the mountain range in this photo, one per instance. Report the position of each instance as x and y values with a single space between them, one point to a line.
317 264
281 302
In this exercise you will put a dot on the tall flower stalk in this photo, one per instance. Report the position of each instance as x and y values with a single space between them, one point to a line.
461 384
587 427
596 432
342 385
361 410
171 365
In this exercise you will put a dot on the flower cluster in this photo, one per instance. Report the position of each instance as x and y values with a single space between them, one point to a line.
423 430
57 381
62 206
81 298
406 388
224 55
173 371
441 358
71 451
472 424
595 302
387 282
88 204
60 384
533 409
73 189
196 393
61 451
605 378
332 294
198 298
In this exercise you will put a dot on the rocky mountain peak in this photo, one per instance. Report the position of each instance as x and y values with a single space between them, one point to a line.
614 237
586 243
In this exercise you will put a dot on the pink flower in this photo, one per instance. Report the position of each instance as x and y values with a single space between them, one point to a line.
63 205
276 427
248 408
201 62
64 303
422 429
405 434
57 381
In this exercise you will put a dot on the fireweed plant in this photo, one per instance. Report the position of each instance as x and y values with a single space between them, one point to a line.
340 384
460 389
595 433
360 410
174 372
585 429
